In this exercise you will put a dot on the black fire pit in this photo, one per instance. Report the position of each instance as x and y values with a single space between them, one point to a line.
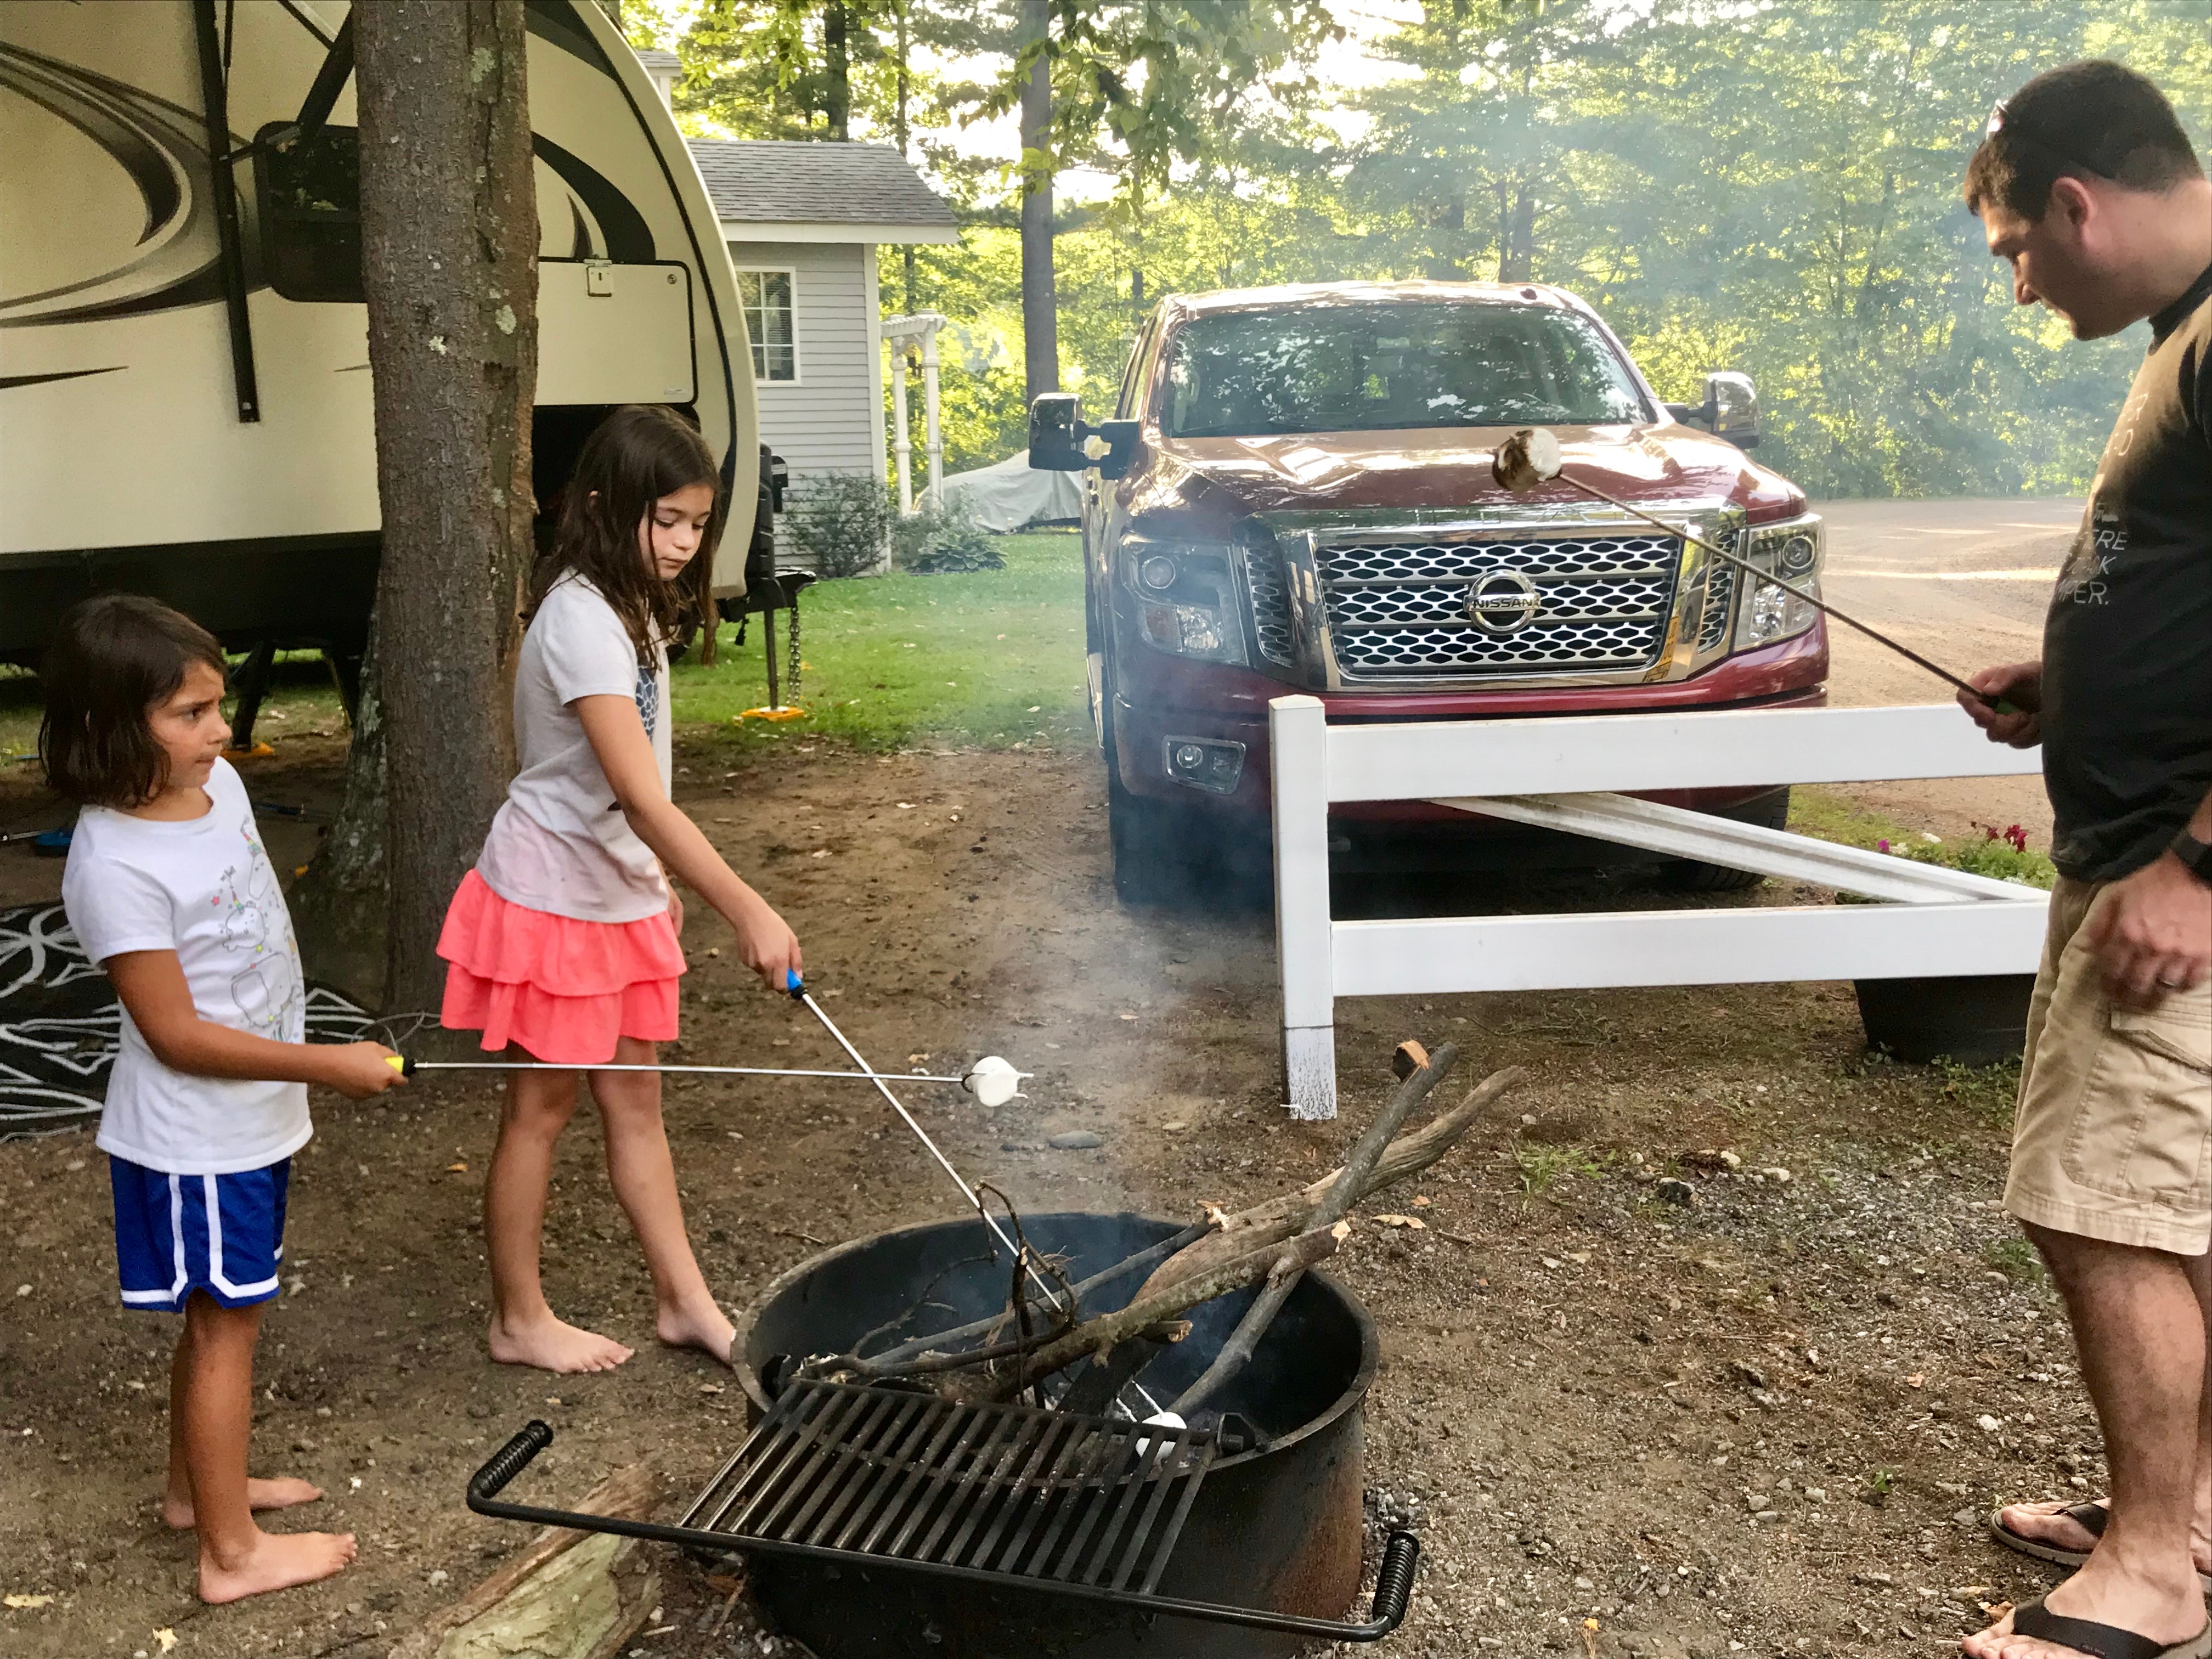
1276 1526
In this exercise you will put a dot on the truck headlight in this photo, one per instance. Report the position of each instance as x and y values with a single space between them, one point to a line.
1185 598
1777 604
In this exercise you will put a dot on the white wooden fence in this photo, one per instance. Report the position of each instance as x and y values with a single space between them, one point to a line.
1565 773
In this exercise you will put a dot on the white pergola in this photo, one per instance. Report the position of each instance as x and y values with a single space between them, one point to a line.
908 336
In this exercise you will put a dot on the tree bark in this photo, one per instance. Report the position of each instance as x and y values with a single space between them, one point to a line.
449 233
1040 313
338 908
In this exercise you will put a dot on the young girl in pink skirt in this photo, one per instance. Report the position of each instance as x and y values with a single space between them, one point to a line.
561 945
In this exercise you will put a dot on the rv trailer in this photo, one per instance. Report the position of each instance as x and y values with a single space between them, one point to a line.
185 406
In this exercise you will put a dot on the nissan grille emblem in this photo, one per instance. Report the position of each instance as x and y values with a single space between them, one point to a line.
1503 601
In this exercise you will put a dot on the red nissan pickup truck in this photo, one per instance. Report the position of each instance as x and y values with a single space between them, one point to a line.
1295 494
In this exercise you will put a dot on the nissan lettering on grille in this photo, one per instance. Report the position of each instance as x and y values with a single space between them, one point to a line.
1503 601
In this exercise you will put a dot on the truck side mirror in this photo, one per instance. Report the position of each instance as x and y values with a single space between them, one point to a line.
1056 434
1731 409
1060 441
1121 439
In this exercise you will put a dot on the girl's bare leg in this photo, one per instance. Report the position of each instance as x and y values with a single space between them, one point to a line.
644 1176
177 1501
524 1330
237 1559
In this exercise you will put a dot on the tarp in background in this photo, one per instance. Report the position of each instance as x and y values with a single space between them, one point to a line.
60 1024
1008 495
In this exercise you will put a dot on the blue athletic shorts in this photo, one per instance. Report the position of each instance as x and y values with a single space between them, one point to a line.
175 1234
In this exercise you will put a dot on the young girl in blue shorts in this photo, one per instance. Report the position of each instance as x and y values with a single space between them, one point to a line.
169 889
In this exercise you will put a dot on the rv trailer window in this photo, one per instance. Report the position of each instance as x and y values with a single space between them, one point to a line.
766 296
309 197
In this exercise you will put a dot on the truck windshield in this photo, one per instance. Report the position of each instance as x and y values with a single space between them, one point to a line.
1368 369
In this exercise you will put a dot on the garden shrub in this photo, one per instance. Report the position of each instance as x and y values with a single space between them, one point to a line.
839 523
941 538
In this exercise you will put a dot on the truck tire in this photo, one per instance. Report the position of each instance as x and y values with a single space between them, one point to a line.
1694 876
1165 853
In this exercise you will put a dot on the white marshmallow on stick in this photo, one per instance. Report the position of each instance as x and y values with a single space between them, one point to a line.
992 1081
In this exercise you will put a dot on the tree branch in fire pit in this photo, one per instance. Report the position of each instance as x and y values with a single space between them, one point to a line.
1419 1073
1294 1212
1106 1330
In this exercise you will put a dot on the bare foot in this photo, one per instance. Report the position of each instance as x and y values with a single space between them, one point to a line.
554 1344
705 1328
275 1561
281 1494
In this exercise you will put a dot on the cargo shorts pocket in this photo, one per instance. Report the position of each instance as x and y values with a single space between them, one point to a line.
2143 1125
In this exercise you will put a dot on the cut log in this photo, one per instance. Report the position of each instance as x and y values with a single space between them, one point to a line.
1280 1219
569 1595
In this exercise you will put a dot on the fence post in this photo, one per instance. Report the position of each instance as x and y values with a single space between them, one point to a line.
1297 739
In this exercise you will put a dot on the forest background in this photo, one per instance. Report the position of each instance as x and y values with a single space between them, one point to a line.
1765 186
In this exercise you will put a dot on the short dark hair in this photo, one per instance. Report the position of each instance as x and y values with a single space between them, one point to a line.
2095 119
113 656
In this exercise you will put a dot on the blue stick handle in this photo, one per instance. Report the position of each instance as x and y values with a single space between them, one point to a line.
794 986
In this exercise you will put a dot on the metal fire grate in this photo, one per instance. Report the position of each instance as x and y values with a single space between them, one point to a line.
1075 1507
912 1479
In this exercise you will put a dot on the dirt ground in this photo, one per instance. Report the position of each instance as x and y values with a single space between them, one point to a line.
1772 1424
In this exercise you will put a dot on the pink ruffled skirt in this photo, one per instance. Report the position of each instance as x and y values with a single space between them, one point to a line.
562 988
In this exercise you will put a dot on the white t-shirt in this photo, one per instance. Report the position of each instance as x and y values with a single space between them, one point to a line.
561 843
205 890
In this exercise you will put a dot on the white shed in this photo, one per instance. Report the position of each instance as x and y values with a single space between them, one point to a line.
803 219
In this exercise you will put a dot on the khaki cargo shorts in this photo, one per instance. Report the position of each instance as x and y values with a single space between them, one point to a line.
2112 1136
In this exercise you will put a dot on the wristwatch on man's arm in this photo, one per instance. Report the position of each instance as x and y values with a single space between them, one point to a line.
2193 854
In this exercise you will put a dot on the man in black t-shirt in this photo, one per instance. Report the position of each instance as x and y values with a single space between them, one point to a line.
2086 184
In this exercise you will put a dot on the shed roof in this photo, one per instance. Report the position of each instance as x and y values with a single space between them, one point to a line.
654 59
805 190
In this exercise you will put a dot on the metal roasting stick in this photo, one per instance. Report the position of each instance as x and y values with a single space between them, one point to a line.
414 1065
1780 581
1543 471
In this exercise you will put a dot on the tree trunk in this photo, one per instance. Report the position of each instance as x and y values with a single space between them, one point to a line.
905 87
449 232
836 72
1517 251
338 908
1040 318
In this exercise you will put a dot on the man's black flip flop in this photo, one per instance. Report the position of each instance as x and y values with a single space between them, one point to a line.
2090 1516
2104 1641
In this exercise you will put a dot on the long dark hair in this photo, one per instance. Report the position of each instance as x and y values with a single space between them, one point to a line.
635 456
113 658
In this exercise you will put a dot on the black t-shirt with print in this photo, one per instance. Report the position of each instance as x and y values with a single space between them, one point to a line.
2127 649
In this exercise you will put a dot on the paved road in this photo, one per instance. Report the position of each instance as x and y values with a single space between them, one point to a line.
1964 583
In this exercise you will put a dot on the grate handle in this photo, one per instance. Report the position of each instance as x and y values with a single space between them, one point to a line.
510 1459
1394 1581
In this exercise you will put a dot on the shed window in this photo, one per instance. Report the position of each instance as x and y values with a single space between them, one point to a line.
766 297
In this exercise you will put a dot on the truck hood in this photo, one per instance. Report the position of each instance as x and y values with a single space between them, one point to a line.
1219 480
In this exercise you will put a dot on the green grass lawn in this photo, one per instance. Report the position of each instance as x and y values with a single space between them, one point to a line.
993 659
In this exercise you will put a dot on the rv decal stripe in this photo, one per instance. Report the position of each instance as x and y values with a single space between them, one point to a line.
127 142
552 22
9 381
629 239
